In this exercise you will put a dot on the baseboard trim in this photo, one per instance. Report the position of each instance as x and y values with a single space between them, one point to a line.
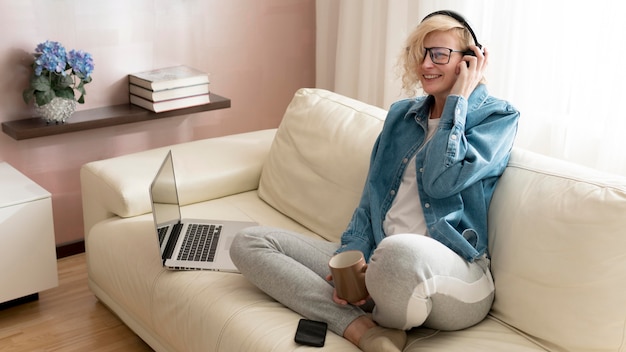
70 248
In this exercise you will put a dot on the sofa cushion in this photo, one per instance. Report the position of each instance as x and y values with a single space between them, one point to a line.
490 335
319 159
191 310
558 245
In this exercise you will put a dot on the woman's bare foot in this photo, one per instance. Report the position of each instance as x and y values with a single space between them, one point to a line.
381 339
358 328
368 336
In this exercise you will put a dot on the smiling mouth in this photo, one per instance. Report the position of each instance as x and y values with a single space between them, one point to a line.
431 76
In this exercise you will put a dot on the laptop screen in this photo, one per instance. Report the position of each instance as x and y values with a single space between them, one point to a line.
164 195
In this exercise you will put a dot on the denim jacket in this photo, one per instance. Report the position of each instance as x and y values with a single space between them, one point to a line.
457 170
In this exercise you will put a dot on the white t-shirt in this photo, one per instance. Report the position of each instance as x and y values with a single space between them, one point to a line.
406 214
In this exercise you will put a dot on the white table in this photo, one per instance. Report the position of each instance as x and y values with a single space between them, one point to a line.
27 245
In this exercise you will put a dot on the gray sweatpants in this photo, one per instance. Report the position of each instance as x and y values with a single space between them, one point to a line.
413 280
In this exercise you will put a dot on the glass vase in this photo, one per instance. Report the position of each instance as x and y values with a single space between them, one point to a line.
57 111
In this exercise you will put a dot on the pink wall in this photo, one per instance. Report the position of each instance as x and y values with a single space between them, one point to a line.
257 53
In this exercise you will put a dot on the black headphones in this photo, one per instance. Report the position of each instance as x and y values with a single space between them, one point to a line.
461 20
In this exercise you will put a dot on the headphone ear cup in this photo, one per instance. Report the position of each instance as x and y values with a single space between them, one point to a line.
469 52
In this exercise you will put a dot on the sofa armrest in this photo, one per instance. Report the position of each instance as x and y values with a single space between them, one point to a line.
205 169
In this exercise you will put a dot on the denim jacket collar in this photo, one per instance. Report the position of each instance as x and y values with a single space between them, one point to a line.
421 110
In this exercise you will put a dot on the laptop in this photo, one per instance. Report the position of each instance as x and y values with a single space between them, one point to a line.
189 244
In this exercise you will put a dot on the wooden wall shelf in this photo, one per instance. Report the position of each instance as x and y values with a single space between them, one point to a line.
101 117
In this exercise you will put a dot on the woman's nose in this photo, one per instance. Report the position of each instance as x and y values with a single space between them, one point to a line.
428 61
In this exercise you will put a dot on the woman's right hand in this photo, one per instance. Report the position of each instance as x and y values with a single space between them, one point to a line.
470 72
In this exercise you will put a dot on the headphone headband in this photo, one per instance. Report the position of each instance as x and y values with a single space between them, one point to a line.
459 18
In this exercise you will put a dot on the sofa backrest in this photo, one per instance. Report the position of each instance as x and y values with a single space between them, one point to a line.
319 159
558 247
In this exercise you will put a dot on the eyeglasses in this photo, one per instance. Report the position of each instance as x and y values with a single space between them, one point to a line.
441 56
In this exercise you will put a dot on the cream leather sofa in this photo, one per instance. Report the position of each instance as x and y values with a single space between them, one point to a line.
557 238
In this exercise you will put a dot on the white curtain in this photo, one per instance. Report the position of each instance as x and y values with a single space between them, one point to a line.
561 63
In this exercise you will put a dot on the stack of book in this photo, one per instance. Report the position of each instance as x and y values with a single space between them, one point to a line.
169 88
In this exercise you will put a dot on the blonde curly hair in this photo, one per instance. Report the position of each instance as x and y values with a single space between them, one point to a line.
414 54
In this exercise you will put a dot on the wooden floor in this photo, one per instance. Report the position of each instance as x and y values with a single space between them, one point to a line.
66 318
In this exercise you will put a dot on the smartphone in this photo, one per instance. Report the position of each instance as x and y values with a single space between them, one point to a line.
311 333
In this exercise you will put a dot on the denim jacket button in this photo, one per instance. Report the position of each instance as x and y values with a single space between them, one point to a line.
453 137
426 205
405 160
392 192
421 170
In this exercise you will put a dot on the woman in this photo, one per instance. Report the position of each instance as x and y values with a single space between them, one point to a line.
422 219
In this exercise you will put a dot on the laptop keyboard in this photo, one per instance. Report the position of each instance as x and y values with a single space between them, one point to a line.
162 232
200 243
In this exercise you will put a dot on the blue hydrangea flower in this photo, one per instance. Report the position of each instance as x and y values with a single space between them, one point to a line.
52 58
81 62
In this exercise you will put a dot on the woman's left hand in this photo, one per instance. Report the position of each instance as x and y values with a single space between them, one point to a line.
470 72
